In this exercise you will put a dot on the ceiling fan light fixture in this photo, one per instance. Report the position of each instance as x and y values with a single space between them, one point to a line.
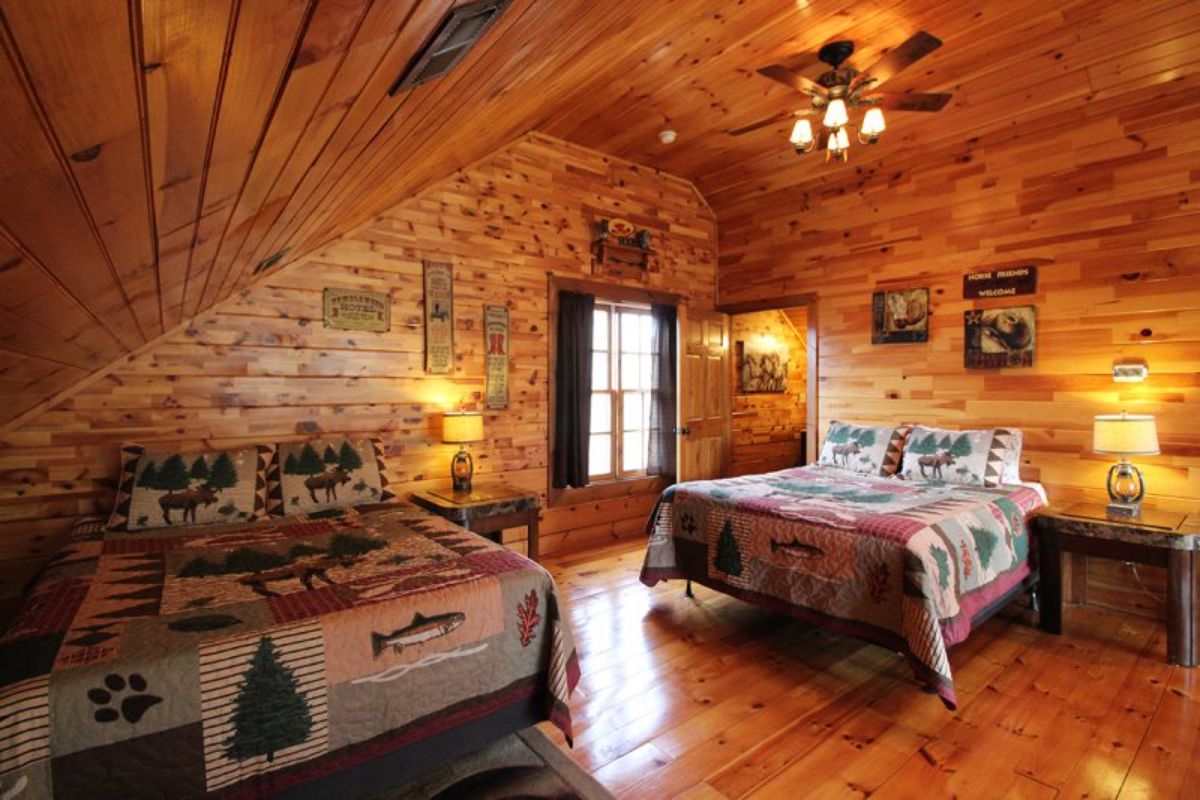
835 114
873 123
872 126
802 135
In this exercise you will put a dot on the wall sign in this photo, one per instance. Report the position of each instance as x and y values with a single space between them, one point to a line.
621 250
1007 282
357 311
495 331
1000 337
439 318
900 317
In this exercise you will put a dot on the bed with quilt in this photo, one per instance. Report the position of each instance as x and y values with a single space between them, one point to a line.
907 564
335 651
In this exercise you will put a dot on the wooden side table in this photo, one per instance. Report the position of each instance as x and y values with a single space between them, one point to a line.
1157 538
486 510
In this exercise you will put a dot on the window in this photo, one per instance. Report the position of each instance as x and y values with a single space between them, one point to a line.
622 338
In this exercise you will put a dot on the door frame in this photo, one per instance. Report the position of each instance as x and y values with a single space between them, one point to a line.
812 379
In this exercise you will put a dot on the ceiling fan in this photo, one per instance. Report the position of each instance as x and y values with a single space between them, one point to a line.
842 88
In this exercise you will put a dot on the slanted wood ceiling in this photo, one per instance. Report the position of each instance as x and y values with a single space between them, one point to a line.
154 152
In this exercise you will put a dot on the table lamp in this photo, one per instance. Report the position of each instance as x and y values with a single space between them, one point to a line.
1125 435
462 428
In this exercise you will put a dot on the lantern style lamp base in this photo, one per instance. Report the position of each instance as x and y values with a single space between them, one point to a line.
462 468
1126 488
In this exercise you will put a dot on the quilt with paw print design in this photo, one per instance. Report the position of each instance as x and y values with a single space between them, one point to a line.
244 660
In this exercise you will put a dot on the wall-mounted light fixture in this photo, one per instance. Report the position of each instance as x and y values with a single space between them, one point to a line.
1130 371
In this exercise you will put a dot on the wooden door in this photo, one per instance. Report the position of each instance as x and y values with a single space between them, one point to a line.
704 395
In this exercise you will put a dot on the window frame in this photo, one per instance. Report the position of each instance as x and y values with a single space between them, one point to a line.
597 489
616 392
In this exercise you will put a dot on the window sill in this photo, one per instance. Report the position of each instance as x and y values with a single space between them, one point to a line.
607 489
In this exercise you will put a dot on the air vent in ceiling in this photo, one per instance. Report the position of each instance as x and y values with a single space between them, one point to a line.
459 31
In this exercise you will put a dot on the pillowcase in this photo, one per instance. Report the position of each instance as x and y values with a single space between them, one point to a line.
862 449
972 458
1011 474
335 472
166 489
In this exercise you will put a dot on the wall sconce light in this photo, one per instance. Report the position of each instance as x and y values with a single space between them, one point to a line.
1130 371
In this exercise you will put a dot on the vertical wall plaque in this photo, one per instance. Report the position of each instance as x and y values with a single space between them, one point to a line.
495 329
439 318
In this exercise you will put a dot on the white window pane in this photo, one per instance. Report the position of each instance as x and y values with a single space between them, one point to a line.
599 329
645 371
634 457
631 333
601 413
600 454
647 337
630 372
600 371
631 416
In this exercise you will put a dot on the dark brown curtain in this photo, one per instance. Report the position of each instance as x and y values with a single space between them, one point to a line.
663 393
573 389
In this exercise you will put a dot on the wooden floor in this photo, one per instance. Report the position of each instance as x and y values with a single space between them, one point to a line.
711 698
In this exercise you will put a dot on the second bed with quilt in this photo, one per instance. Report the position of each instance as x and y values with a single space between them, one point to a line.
906 564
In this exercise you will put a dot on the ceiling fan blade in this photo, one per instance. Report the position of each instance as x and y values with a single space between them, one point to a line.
778 72
762 123
911 101
919 45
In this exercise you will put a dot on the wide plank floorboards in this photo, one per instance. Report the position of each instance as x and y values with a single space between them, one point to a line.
712 698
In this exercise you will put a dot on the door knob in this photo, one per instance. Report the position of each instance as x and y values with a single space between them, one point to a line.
684 431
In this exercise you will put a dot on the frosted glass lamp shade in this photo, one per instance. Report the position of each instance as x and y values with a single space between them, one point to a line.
802 133
873 123
835 114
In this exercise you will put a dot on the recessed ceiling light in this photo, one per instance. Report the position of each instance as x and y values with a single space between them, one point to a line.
667 137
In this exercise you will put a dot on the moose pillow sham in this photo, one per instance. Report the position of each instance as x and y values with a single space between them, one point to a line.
168 489
863 449
972 458
336 472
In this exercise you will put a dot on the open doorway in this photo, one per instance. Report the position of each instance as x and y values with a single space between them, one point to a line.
773 383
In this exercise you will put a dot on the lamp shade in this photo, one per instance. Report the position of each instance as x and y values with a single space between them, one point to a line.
1125 435
459 428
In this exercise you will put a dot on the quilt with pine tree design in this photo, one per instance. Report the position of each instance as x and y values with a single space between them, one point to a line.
241 660
905 564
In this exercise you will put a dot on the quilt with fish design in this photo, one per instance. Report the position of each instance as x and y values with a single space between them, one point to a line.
243 660
905 564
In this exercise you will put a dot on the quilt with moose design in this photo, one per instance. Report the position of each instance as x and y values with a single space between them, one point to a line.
242 660
904 564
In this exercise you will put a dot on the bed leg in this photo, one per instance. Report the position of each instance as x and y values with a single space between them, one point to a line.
687 590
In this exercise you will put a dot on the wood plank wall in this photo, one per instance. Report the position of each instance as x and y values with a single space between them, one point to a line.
1105 200
262 367
767 426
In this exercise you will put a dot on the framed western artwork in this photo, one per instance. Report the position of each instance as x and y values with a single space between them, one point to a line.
764 367
1000 337
900 316
439 318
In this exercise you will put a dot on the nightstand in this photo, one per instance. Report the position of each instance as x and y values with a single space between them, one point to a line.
486 510
1157 538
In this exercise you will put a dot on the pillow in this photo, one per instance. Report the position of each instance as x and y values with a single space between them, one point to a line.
862 449
327 473
973 458
167 489
1012 457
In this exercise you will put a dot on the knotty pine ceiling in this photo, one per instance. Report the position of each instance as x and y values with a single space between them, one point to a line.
153 152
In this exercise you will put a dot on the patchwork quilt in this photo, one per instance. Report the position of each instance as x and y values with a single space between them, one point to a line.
905 564
240 660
